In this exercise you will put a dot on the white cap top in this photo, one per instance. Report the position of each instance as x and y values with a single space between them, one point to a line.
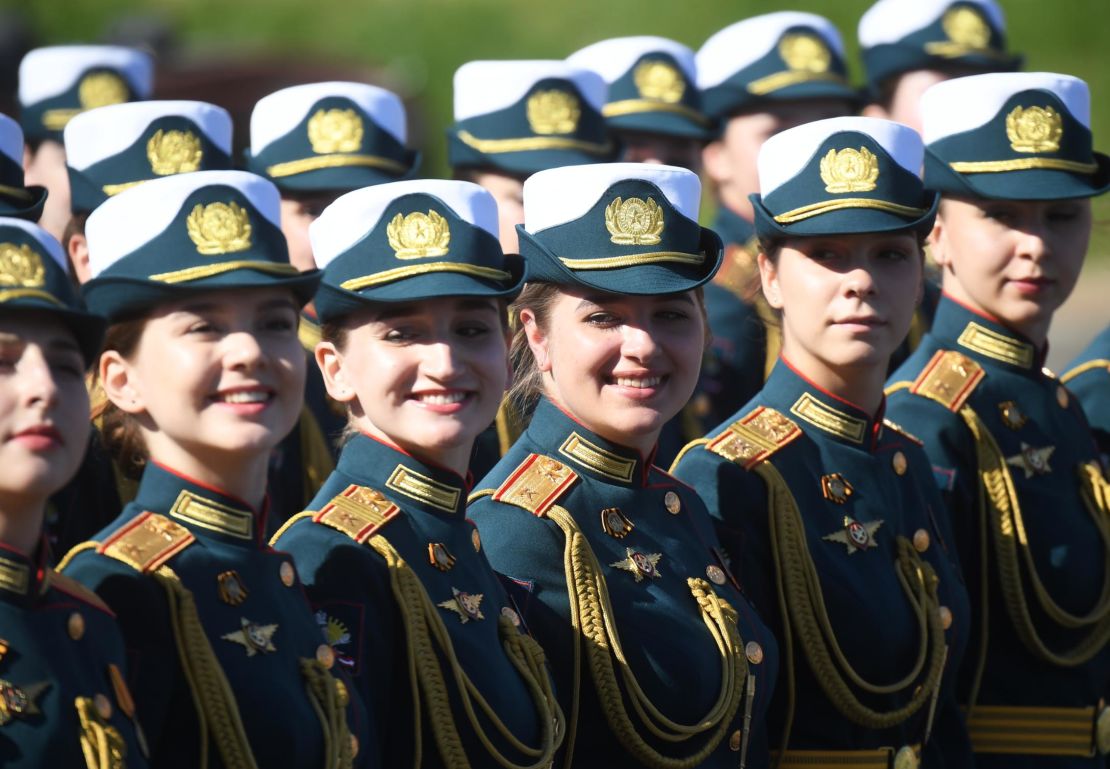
278 113
47 72
44 238
888 21
123 223
613 58
560 195
784 155
746 42
482 87
105 132
11 139
966 103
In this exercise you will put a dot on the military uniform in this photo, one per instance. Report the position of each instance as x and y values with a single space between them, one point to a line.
1088 378
17 199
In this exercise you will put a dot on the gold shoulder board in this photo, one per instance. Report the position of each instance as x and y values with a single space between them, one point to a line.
903 432
76 589
359 512
754 437
949 379
147 542
536 484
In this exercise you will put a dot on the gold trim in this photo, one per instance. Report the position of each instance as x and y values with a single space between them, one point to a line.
1083 368
637 106
766 85
208 270
829 419
56 119
995 345
598 459
424 489
112 190
212 515
14 577
16 192
1043 731
826 206
532 144
950 50
28 293
632 260
293 167
400 273
1022 164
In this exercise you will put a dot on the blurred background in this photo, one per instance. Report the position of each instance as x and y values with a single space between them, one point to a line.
233 52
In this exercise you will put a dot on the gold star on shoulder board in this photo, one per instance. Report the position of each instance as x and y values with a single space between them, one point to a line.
256 638
855 535
466 605
639 564
1032 461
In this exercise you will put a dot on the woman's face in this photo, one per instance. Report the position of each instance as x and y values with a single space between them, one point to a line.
1014 260
44 406
214 379
621 365
427 376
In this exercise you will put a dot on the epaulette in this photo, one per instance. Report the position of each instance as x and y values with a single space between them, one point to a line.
902 431
77 590
147 542
536 484
358 511
949 378
754 437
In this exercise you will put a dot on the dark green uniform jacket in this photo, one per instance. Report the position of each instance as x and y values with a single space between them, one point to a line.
1088 378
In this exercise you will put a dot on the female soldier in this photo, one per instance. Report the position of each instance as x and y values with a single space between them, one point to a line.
657 657
1010 447
205 376
416 350
827 510
63 700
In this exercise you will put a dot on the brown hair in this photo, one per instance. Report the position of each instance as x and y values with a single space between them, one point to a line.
118 429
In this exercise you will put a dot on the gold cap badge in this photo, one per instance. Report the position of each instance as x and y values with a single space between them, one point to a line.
1034 129
100 89
20 266
335 130
849 170
966 27
219 228
418 235
553 112
659 80
634 222
804 51
174 152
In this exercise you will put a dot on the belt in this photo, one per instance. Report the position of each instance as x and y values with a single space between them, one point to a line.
1035 731
905 757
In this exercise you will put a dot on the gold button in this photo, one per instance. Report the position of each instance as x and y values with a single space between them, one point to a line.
906 758
734 741
325 655
672 502
754 652
341 691
354 746
76 626
921 540
103 706
476 540
1102 730
510 615
945 617
1062 396
288 574
715 573
899 462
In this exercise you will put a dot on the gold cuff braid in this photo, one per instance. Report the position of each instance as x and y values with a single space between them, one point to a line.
101 743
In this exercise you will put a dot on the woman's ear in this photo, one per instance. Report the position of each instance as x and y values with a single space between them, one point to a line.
120 382
769 277
537 340
937 242
330 362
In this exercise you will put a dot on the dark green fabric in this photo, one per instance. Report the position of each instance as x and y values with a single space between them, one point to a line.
24 202
1092 387
659 120
31 115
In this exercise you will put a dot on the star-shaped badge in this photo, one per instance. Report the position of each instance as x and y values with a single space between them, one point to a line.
641 565
1032 461
466 605
855 535
20 702
256 638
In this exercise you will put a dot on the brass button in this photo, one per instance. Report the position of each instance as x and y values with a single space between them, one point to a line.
906 758
1102 730
354 746
672 502
476 540
921 540
510 615
325 655
899 462
754 652
103 706
1062 396
715 573
945 617
288 574
341 691
734 741
76 626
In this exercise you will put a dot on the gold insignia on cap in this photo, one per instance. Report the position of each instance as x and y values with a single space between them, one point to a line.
967 27
640 565
1033 461
439 556
335 130
219 228
1012 416
553 112
417 235
855 535
1034 129
634 222
20 266
231 588
20 702
466 605
99 89
174 152
835 488
849 170
256 638
615 523
805 51
659 80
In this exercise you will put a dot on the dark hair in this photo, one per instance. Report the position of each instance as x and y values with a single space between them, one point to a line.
75 226
118 429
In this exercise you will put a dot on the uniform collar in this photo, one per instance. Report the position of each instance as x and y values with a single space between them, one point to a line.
22 577
205 511
815 409
585 450
410 482
733 228
984 338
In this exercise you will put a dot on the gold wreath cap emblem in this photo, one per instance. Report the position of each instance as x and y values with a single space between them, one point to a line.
335 130
659 80
1034 129
219 228
634 222
417 235
966 26
553 112
805 52
174 152
849 170
20 266
99 89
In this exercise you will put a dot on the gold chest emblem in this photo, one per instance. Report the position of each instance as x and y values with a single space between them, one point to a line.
335 130
100 89
805 51
967 27
634 222
174 152
1034 129
418 235
849 170
219 228
553 112
20 266
659 80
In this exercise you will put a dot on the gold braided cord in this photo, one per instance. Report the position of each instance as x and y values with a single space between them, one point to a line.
15 192
593 620
320 162
209 270
1000 506
778 80
632 260
324 696
1022 164
1084 368
637 106
426 631
533 144
400 273
825 206
12 294
217 710
101 743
